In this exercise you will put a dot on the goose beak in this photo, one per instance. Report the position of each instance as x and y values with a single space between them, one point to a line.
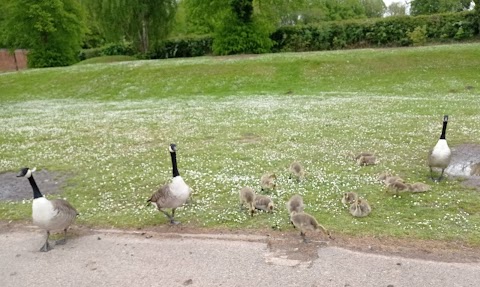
23 172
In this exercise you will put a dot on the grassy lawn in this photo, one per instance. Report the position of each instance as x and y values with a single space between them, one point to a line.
234 118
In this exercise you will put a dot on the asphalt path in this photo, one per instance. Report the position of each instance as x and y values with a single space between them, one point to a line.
121 258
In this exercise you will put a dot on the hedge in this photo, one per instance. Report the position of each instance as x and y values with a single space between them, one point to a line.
380 32
383 32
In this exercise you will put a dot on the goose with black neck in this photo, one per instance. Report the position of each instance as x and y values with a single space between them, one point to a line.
173 194
441 154
55 214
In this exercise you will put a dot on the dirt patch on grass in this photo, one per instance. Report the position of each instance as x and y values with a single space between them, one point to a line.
18 188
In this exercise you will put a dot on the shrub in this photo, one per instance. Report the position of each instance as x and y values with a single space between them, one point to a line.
418 35
390 31
192 46
235 37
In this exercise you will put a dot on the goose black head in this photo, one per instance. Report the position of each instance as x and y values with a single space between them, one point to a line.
172 147
25 172
445 118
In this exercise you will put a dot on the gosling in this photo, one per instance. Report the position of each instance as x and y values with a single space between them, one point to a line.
349 198
247 196
267 181
297 171
360 208
305 222
365 160
418 187
264 203
295 204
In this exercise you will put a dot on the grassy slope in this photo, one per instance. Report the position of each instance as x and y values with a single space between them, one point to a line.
234 118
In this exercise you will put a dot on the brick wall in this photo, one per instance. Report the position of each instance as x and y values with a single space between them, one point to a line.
8 63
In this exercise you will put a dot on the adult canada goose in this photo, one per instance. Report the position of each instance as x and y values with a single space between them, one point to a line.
305 222
349 198
173 194
55 214
247 196
360 208
297 171
441 154
267 181
295 204
264 203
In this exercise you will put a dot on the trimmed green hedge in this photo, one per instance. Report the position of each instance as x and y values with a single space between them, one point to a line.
384 32
112 49
192 46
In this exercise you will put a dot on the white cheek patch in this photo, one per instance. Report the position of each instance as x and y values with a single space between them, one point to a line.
29 172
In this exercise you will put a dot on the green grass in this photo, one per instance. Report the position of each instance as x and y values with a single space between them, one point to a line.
234 118
106 59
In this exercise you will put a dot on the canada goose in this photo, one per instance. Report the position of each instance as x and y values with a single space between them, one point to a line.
55 214
360 208
247 196
264 203
267 181
418 187
297 171
365 160
441 154
295 204
173 194
305 222
349 197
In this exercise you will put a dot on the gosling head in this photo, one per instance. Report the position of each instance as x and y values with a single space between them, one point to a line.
172 147
270 207
25 172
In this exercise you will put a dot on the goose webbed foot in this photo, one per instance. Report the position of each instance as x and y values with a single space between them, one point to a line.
174 222
63 240
170 217
305 240
46 247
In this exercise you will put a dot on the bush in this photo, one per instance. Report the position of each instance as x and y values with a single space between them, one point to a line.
112 49
418 35
236 37
384 32
192 46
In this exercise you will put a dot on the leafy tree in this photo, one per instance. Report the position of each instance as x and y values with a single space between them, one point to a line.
204 16
52 30
427 7
396 9
143 22
374 8
241 32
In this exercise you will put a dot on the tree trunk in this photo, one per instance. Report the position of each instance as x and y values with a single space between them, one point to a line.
144 39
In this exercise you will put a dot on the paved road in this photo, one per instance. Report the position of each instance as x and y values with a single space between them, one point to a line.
113 258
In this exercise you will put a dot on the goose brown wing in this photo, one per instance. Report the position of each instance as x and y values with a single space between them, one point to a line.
162 195
65 216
